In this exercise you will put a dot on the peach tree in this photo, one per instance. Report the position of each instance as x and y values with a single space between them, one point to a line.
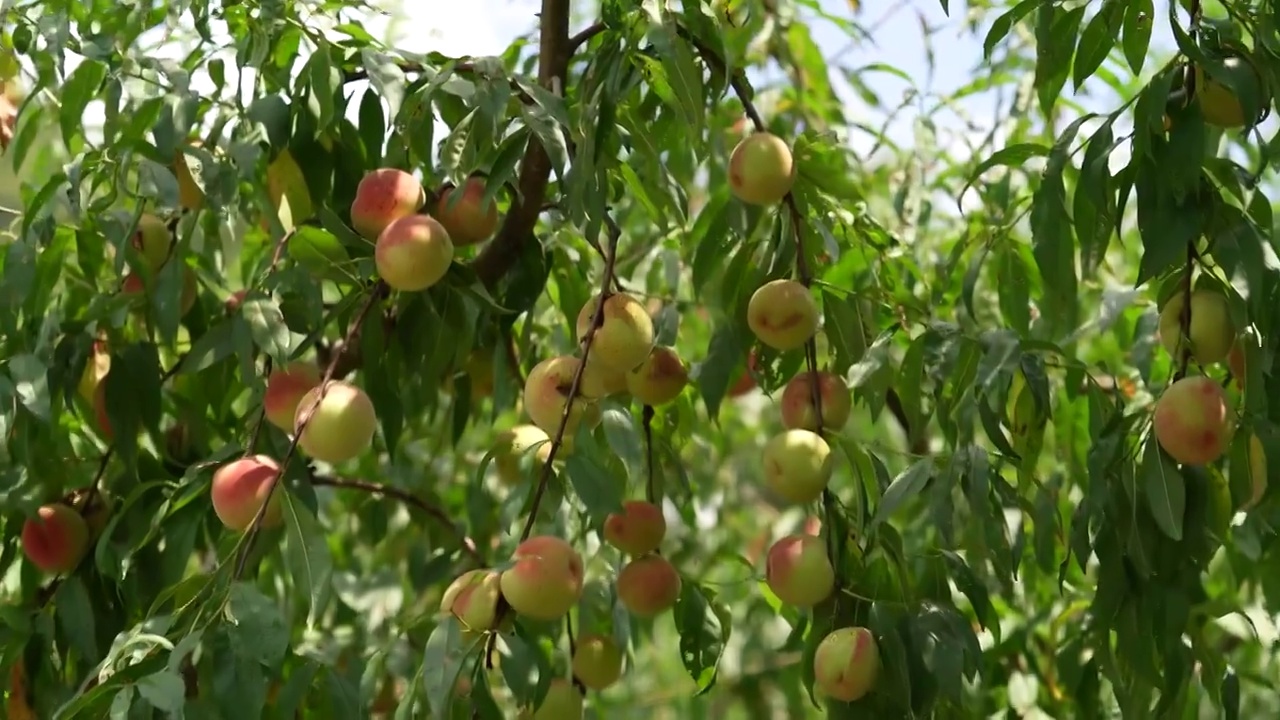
643 368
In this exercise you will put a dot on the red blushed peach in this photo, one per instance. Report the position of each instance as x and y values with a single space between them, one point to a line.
1211 332
846 664
473 599
783 314
383 196
625 335
761 169
797 465
799 572
563 702
413 253
464 213
285 388
638 529
597 661
545 580
337 428
241 486
797 402
56 539
660 378
648 586
1192 421
546 393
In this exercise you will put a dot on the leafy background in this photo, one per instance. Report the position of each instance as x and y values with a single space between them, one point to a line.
1069 571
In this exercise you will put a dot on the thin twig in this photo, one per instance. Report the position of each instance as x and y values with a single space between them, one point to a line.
377 292
650 487
1184 319
585 36
468 545
573 650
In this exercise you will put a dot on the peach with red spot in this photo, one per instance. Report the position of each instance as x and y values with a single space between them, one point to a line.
1192 421
413 253
846 664
798 570
797 466
473 599
383 196
464 213
638 530
56 539
648 586
545 580
783 314
240 488
797 402
626 334
660 378
761 169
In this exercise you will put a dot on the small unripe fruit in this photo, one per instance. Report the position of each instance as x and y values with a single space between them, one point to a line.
285 388
660 378
512 445
846 664
383 196
648 586
798 570
597 661
241 487
464 213
638 529
797 402
413 253
783 314
56 539
473 599
797 465
563 702
546 392
1192 422
1212 334
340 428
546 579
761 169
625 335
151 239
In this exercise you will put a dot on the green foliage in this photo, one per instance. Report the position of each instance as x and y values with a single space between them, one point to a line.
1000 516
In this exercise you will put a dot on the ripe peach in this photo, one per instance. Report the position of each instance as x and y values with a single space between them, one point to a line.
341 426
1192 422
56 539
464 213
1257 473
151 239
546 392
660 378
797 402
798 570
638 529
413 253
1212 334
846 664
241 486
600 379
797 465
597 661
473 599
648 586
512 445
383 196
563 702
761 169
95 370
626 334
285 387
783 314
546 579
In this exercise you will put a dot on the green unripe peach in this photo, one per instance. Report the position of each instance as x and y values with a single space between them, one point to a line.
1211 334
597 661
797 465
338 428
151 238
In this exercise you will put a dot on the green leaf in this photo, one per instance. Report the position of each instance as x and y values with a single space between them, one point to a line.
1099 36
321 253
1003 24
704 626
80 89
1008 156
600 491
444 659
1165 489
165 691
257 628
908 484
266 323
1138 20
306 554
1055 44
75 616
31 384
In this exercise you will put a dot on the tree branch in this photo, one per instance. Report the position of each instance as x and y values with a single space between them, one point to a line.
584 37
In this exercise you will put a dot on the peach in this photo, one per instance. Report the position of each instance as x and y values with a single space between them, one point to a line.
563 702
625 335
745 382
413 253
1257 473
56 539
546 393
846 664
797 465
597 661
464 213
638 529
512 445
473 599
600 379
545 580
798 570
1211 332
761 169
783 314
285 388
383 196
340 427
1192 421
95 370
797 402
239 489
660 378
648 586
151 238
